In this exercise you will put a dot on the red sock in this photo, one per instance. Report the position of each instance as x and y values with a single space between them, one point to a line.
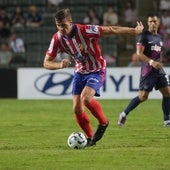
96 109
84 122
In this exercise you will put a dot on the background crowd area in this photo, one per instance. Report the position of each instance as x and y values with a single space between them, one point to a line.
26 27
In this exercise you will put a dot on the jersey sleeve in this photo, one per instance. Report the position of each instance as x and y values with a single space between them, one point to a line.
141 40
53 48
93 31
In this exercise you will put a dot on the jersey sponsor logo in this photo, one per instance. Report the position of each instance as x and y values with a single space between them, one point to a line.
155 48
51 83
92 29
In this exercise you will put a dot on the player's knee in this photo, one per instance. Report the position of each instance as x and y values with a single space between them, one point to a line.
166 95
165 91
143 98
77 109
85 100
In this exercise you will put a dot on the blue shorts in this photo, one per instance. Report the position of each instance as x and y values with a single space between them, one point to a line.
153 80
94 80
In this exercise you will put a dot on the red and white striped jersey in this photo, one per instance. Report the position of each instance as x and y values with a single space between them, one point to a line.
82 46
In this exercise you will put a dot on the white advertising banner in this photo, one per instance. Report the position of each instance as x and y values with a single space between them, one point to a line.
39 83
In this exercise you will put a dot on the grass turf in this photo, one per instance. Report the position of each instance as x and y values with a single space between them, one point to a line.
33 135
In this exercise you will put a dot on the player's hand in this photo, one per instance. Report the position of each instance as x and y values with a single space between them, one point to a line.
139 28
65 63
157 65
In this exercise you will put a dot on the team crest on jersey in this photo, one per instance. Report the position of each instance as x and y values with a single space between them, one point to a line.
92 29
79 57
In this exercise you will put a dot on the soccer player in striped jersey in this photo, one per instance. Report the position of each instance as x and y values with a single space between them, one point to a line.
81 43
149 47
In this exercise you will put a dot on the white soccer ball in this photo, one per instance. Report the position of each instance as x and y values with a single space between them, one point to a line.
77 140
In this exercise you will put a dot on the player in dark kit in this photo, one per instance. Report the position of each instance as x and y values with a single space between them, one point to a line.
149 48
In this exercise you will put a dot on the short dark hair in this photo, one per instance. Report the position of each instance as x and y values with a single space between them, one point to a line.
62 14
152 15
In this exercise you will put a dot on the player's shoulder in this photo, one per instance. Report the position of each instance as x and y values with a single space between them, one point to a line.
84 26
148 33
145 33
160 36
56 36
80 26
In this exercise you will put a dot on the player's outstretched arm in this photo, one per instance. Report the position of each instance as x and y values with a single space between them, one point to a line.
116 30
50 64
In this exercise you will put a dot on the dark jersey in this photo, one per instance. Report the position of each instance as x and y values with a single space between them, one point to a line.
151 77
152 44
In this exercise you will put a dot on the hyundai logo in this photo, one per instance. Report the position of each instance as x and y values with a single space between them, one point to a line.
54 84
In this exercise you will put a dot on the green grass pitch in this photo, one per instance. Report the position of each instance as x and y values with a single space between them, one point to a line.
33 136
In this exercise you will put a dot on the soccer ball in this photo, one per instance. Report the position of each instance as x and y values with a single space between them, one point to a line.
77 140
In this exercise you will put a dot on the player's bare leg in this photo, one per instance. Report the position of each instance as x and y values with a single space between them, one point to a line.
96 110
81 116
